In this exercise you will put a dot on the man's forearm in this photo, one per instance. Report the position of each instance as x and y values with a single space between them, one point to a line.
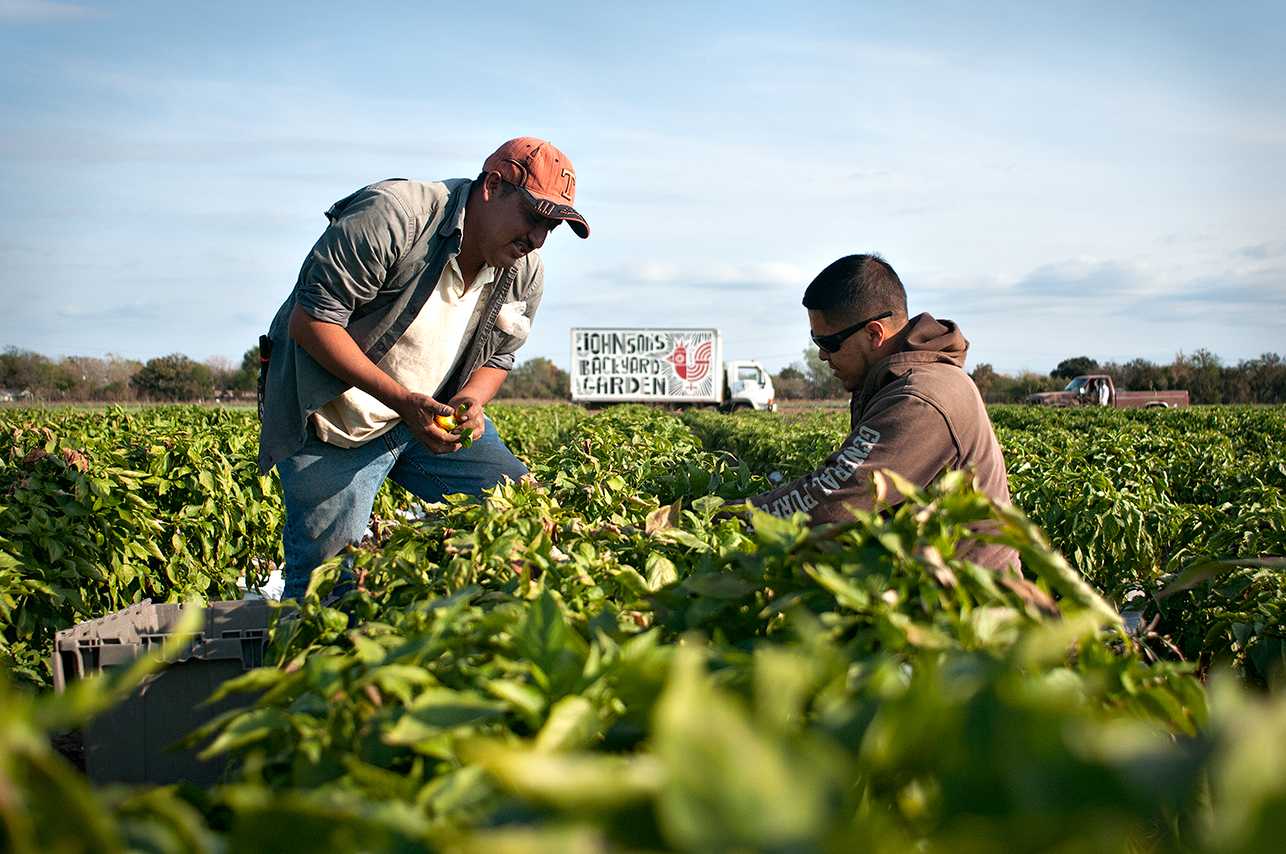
337 352
483 385
902 433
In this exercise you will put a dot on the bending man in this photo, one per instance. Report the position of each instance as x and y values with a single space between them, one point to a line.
411 305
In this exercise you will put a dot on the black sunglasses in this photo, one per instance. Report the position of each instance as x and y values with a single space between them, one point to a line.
529 203
831 343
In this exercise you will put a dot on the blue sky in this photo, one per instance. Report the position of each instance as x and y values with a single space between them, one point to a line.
1102 179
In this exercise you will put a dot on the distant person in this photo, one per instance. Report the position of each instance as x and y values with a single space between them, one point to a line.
914 410
410 305
1104 393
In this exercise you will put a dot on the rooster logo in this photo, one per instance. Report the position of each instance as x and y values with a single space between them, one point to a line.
694 370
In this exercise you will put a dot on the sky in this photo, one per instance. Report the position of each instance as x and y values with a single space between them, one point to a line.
1102 179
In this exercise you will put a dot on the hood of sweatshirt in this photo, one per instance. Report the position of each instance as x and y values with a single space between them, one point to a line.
923 341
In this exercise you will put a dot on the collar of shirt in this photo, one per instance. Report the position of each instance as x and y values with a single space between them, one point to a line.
452 281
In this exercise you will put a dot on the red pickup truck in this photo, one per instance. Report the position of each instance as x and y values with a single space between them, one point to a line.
1098 390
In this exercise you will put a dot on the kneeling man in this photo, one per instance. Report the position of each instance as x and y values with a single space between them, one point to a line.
914 409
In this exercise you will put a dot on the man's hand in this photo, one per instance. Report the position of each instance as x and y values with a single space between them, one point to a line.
473 420
739 509
417 412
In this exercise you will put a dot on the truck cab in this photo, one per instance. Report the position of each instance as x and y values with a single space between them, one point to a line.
1092 390
747 385
1099 390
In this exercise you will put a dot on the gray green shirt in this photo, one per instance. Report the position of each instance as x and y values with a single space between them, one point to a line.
371 271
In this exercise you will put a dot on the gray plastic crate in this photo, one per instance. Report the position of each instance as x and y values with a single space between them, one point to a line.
133 742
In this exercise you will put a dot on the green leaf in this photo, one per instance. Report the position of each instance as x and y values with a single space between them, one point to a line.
1204 570
661 572
729 785
552 647
254 726
438 710
572 724
571 781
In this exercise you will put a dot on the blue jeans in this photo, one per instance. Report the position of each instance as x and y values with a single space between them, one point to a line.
329 491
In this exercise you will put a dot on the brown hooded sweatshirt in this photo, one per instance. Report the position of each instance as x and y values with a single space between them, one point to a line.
919 414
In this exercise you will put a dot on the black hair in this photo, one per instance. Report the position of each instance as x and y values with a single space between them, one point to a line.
856 286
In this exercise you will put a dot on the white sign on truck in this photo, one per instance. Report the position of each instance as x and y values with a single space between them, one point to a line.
662 365
671 365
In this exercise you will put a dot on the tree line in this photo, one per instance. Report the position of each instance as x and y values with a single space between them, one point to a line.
28 376
25 375
1202 374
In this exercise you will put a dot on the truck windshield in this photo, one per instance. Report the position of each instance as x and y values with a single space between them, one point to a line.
1075 385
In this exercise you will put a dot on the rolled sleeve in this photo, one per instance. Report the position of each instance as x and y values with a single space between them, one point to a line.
351 260
503 361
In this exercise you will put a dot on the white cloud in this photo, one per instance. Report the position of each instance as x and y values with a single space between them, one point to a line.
754 275
43 10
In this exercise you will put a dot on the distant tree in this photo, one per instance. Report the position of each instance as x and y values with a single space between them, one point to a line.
1235 385
790 383
23 370
247 378
222 372
1030 382
118 374
984 377
173 377
1200 374
1138 375
1267 378
117 391
64 381
86 375
538 379
1074 367
822 383
996 387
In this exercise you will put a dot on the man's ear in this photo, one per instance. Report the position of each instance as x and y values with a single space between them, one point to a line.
878 335
490 186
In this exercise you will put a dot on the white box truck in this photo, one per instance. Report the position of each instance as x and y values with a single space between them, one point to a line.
671 365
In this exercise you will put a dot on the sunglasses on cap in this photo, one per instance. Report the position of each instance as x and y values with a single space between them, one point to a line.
831 343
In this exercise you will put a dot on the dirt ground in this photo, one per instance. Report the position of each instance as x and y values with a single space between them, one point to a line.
787 407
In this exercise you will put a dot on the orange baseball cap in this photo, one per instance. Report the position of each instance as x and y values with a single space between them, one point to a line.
545 176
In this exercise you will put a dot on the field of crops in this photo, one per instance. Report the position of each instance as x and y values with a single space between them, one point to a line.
610 660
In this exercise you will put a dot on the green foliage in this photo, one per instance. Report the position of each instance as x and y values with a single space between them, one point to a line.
102 510
616 658
537 379
173 377
1130 497
1074 367
823 382
790 383
996 387
246 377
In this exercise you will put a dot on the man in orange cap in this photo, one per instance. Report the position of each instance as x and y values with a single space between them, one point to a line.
405 317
